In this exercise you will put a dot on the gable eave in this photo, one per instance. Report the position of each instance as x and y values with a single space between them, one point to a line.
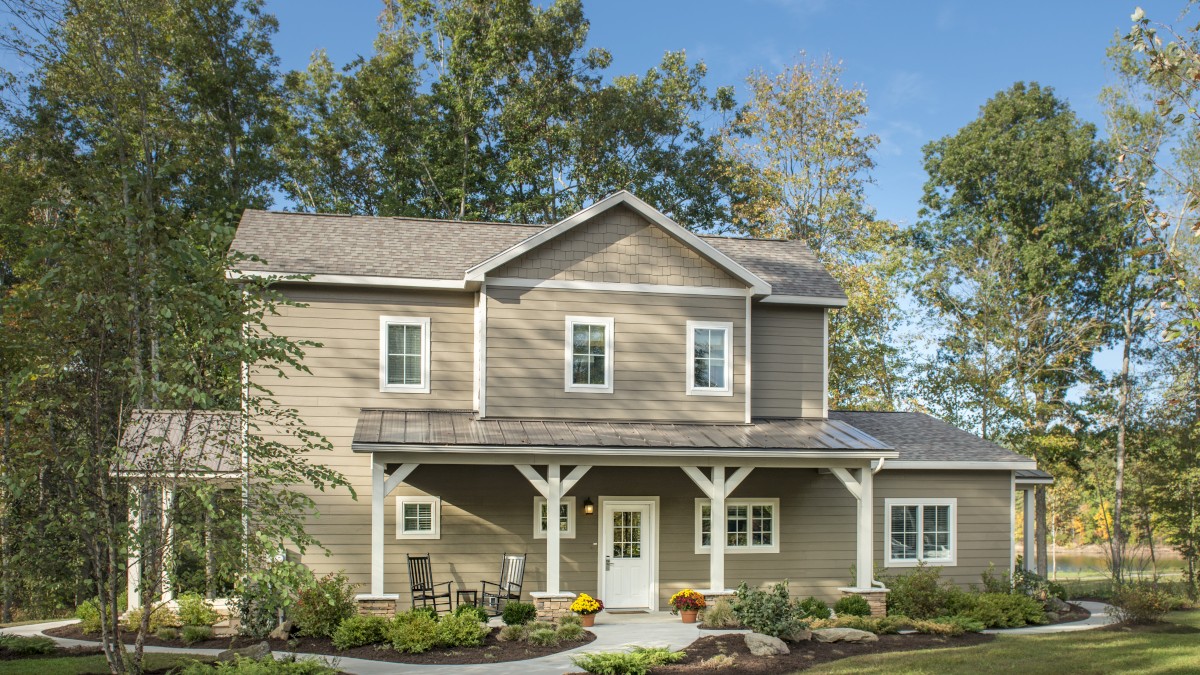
758 286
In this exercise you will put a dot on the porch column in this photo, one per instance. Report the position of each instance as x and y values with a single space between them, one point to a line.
719 530
133 569
381 486
865 565
553 530
168 544
1030 516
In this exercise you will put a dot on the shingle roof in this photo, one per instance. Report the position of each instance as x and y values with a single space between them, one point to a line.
1033 477
462 428
414 248
923 438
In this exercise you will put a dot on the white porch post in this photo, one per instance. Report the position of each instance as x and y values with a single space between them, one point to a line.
168 534
553 529
718 530
133 570
377 523
865 565
1030 517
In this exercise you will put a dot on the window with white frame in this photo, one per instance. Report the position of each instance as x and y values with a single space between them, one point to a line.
751 525
710 358
566 518
418 518
589 355
920 530
404 354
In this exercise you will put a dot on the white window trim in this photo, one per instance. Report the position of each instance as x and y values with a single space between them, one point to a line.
539 533
568 351
920 501
689 375
384 322
775 528
436 512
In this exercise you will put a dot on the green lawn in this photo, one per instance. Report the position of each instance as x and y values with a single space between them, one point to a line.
1172 647
80 665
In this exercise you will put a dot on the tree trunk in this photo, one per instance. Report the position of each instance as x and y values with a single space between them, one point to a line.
1118 531
1039 494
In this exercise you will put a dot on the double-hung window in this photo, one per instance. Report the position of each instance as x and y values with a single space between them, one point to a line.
404 354
566 518
589 354
710 358
920 530
418 517
751 525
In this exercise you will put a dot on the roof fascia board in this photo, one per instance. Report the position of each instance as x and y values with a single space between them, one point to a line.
812 300
576 451
356 280
610 287
759 286
933 465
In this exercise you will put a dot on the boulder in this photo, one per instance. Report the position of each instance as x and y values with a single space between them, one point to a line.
282 631
255 652
843 635
802 635
765 645
1053 604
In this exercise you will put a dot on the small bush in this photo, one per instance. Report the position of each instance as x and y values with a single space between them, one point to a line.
413 632
852 605
543 637
720 614
89 617
266 593
323 606
770 613
26 646
1140 602
814 608
879 625
358 631
194 610
518 613
570 620
570 632
167 633
427 611
161 617
999 610
539 625
194 634
636 662
920 594
951 626
516 633
266 666
461 630
471 610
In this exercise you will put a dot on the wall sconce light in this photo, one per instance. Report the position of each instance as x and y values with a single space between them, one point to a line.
588 507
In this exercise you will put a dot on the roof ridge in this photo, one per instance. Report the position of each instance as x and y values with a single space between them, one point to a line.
408 218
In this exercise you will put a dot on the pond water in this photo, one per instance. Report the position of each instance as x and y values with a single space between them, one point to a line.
1074 563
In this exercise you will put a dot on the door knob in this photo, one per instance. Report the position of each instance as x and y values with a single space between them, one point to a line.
607 563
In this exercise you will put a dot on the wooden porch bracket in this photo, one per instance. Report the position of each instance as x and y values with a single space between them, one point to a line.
717 489
552 487
382 485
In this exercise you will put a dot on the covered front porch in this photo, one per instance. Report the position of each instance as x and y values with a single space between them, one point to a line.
636 522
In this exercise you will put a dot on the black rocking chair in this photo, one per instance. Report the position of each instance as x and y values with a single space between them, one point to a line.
512 574
426 593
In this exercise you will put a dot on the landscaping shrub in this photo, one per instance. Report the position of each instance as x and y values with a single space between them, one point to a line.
89 617
999 610
518 613
167 633
879 625
461 630
263 595
194 610
265 666
1140 602
538 625
427 611
570 631
193 634
570 620
720 614
852 605
920 594
161 617
413 632
1035 585
323 606
769 612
358 631
478 612
27 646
543 637
814 608
515 633
636 662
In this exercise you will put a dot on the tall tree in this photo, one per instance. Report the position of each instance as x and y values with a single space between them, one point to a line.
799 161
1027 180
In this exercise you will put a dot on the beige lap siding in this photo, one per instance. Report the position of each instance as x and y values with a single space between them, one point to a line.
526 335
788 359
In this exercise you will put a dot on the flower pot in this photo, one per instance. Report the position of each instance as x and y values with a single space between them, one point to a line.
688 615
589 620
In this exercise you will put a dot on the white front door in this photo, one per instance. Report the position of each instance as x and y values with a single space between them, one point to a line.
627 554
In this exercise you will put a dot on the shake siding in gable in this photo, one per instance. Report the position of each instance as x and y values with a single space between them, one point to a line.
526 334
787 354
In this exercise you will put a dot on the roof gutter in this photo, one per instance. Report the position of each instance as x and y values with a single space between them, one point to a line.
625 451
355 280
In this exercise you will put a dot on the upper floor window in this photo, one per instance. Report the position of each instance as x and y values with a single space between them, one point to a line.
404 354
710 358
589 364
920 530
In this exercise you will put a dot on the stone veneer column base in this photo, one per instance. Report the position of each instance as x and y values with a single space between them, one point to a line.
552 606
875 597
377 605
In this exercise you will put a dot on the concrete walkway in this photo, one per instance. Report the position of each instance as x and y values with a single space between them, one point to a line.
613 633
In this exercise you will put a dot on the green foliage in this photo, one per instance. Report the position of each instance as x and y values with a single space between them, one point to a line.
518 613
89 617
636 662
568 632
720 614
161 617
1027 582
194 610
542 637
321 607
268 665
513 633
769 612
852 605
266 593
998 610
1140 602
413 632
919 594
479 613
814 608
167 633
18 645
427 611
880 625
951 626
193 634
357 631
570 620
461 630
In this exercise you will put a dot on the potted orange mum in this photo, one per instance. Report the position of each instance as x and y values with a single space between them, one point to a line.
687 603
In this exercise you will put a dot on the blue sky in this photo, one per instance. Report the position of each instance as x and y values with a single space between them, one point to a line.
927 67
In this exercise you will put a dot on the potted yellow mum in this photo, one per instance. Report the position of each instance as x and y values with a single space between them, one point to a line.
587 608
687 603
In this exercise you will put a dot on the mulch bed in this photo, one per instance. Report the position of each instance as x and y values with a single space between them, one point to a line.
492 650
803 654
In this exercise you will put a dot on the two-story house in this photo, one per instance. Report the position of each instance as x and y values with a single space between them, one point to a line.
637 408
